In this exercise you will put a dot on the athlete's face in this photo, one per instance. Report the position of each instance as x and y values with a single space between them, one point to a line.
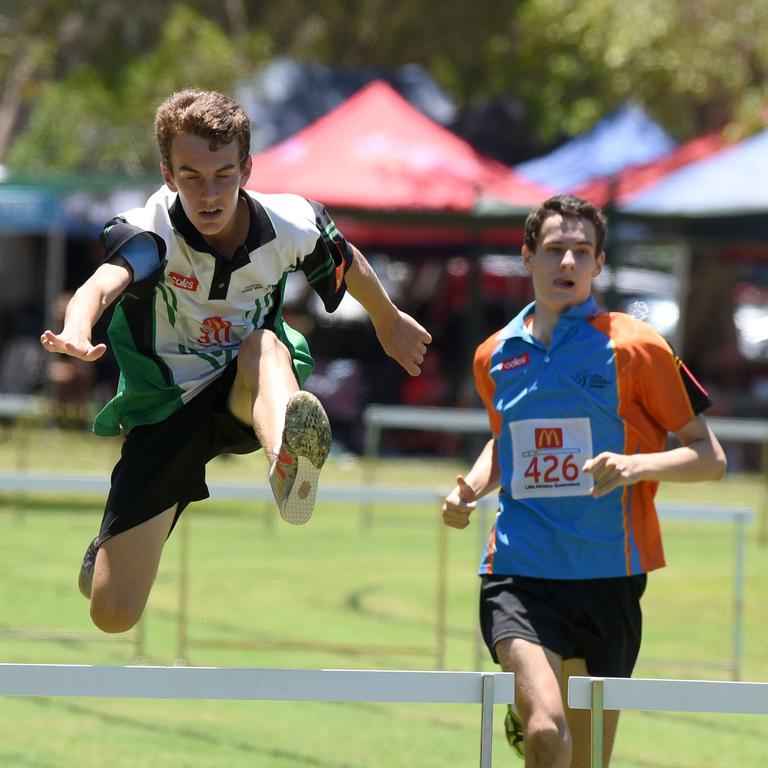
564 263
207 181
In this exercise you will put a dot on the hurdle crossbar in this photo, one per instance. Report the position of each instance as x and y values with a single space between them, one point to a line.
241 684
598 694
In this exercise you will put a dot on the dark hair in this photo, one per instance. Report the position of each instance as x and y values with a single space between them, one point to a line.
565 205
208 114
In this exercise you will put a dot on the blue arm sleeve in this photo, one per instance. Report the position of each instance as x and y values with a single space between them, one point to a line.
141 254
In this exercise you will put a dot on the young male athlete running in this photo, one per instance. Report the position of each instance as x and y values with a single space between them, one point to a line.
207 364
580 404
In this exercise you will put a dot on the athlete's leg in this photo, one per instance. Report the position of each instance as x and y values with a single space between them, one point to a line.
125 569
291 425
264 382
579 722
538 701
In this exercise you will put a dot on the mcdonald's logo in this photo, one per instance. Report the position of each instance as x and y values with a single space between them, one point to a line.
548 437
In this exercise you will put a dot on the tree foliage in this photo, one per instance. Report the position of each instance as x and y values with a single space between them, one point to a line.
696 65
94 90
79 86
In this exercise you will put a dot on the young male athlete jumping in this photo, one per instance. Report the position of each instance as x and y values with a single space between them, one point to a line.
580 404
207 364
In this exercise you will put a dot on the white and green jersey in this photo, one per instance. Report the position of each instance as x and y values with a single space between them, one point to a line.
174 331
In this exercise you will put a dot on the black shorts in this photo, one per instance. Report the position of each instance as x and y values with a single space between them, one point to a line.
164 464
598 620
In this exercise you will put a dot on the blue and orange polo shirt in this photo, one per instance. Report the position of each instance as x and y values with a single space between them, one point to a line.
607 382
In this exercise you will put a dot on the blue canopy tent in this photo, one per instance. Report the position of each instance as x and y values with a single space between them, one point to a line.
732 182
620 140
718 206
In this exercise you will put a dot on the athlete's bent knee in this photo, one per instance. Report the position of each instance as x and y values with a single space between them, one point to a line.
113 616
262 344
548 742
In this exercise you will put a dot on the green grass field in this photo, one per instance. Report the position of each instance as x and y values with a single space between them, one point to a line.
335 594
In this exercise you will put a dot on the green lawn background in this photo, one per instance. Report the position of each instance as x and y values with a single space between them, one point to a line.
335 594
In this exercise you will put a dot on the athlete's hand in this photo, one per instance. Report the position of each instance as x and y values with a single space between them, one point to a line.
611 470
459 504
405 340
78 346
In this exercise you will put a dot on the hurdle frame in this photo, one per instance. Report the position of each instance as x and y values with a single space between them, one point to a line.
598 694
329 494
244 684
474 421
738 516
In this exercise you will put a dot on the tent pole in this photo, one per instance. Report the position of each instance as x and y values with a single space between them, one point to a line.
54 272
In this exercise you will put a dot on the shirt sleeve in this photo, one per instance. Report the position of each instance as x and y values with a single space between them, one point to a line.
141 255
484 382
140 249
669 392
327 265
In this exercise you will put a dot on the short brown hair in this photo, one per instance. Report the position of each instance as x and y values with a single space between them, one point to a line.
208 114
565 205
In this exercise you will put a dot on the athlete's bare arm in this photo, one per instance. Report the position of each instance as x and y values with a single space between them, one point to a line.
483 478
699 457
85 308
400 336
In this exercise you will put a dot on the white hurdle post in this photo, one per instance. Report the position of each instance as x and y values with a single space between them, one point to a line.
239 684
642 694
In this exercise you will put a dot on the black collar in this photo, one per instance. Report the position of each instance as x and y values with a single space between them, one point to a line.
260 228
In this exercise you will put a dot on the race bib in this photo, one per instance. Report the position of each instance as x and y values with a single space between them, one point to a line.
548 455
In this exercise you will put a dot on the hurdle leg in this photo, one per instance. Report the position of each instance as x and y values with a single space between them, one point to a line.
486 721
597 724
140 642
442 594
183 596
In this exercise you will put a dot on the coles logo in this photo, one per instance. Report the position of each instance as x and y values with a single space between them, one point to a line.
187 283
516 362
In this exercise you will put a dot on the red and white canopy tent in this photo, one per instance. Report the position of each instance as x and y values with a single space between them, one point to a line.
392 177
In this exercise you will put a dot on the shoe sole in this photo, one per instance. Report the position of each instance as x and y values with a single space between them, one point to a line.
85 577
85 583
514 733
307 435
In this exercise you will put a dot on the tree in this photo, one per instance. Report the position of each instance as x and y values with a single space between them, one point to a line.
44 40
94 72
96 121
696 65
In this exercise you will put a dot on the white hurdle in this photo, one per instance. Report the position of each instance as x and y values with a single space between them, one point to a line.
243 684
738 517
641 694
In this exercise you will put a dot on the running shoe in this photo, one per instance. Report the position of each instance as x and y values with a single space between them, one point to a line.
305 447
85 577
513 728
